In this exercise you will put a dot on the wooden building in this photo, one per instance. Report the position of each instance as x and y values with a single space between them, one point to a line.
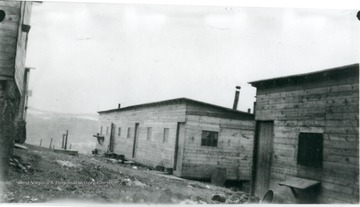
14 29
191 137
306 146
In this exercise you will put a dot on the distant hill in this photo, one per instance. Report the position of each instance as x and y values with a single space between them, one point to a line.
46 125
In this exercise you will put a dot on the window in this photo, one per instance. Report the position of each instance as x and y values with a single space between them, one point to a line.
119 131
101 128
107 130
129 132
209 138
310 149
166 135
149 131
2 15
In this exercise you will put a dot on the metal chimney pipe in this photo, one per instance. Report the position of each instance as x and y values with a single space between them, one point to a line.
249 110
119 106
236 100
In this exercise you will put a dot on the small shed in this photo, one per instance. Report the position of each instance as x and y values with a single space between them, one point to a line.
193 138
307 137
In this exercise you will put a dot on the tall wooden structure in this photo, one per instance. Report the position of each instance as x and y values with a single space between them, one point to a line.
307 136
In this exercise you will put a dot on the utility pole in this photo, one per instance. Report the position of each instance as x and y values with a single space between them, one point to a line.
50 143
40 142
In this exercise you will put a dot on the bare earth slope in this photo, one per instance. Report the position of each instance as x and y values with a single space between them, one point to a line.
46 176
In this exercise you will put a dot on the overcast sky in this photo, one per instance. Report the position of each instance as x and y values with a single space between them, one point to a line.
90 57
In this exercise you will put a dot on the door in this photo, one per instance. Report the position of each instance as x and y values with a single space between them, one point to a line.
112 137
136 135
179 147
265 134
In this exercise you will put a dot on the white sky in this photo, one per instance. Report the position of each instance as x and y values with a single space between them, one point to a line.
90 57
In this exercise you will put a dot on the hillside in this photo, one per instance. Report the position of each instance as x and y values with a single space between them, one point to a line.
46 125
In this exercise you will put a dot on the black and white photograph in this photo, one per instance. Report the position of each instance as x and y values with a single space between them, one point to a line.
178 103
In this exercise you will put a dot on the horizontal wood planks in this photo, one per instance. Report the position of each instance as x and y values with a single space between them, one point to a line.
330 108
234 143
8 36
233 152
149 152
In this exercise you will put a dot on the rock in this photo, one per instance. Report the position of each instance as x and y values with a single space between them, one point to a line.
71 188
127 182
234 199
138 183
198 185
219 198
66 163
110 160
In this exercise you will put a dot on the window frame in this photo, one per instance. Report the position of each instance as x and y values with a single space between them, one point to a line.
214 142
166 133
128 136
310 149
149 133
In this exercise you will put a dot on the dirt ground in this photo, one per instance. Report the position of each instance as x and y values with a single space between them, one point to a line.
41 175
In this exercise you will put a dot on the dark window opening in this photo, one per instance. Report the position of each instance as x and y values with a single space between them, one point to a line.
310 149
2 15
129 132
166 135
209 138
101 129
149 132
119 131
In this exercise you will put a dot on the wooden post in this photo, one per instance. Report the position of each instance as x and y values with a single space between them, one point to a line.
50 143
40 142
66 138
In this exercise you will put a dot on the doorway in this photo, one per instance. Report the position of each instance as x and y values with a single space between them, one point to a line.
179 146
112 137
136 135
264 136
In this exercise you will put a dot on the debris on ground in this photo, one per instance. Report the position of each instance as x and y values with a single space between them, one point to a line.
41 175
20 146
66 163
19 165
219 198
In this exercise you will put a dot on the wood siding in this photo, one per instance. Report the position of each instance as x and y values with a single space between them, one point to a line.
234 142
8 37
149 152
329 107
233 153
21 46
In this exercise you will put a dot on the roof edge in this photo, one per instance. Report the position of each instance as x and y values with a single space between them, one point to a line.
172 101
255 83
